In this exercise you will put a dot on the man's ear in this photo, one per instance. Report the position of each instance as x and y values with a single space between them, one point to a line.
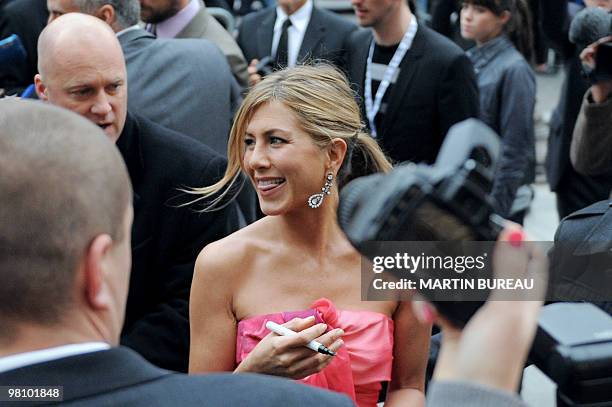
505 17
106 13
336 153
41 89
97 290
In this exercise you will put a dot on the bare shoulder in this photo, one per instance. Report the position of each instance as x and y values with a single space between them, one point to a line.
231 256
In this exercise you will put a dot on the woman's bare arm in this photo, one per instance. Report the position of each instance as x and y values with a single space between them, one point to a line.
410 351
212 321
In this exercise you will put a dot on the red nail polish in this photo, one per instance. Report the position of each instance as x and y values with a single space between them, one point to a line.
516 238
427 313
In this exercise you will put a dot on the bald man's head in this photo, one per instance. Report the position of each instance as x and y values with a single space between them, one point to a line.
65 190
82 68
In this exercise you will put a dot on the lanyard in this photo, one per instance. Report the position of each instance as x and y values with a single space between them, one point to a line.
372 107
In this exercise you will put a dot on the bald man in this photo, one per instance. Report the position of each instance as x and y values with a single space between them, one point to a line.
82 69
183 84
64 225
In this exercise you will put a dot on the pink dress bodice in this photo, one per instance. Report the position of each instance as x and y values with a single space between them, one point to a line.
359 366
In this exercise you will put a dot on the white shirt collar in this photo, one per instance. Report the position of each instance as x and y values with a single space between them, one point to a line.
125 30
45 355
299 23
299 19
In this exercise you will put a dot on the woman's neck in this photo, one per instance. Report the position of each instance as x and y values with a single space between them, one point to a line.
312 229
483 41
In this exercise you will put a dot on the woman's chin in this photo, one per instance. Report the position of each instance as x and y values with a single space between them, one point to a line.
271 210
275 209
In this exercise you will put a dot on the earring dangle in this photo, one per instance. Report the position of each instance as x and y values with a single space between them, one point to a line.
316 200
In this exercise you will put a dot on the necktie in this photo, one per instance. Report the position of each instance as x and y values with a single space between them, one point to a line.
282 52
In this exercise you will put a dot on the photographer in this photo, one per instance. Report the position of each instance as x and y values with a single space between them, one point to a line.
590 152
573 190
581 240
481 365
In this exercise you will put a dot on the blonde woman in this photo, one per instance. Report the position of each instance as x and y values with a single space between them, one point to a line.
297 136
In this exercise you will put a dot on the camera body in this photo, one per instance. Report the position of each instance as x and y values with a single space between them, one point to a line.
265 66
448 201
603 62
573 346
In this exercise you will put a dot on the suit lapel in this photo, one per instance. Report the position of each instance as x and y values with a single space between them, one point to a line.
315 32
358 64
408 68
265 33
129 145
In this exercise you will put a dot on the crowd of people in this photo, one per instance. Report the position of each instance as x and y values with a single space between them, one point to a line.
174 189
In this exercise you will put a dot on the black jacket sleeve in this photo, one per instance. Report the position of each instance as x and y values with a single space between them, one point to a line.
458 98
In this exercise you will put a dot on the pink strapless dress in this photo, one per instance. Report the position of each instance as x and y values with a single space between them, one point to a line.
359 366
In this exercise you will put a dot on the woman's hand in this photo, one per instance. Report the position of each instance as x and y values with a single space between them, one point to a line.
492 348
287 356
254 77
602 89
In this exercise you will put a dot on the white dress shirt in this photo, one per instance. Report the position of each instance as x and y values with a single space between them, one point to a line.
299 22
45 355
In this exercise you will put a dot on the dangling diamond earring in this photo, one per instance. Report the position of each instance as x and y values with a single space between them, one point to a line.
316 200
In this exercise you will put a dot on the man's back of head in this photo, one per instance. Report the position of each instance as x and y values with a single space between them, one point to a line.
64 229
119 14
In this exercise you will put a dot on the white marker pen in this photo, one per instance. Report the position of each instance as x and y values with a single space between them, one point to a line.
314 345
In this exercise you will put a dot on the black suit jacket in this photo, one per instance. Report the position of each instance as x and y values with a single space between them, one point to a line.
120 377
167 237
436 88
580 261
561 174
325 37
26 18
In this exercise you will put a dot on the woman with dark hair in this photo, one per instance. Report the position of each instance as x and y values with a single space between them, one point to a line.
507 87
298 137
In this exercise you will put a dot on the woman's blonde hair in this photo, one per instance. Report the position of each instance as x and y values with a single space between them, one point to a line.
324 105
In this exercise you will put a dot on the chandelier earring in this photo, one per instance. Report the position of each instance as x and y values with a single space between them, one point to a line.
316 200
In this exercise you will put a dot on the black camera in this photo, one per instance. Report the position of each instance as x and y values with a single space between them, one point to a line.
603 62
602 71
573 346
449 201
265 66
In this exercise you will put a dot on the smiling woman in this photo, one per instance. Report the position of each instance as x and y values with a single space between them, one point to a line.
298 137
311 103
